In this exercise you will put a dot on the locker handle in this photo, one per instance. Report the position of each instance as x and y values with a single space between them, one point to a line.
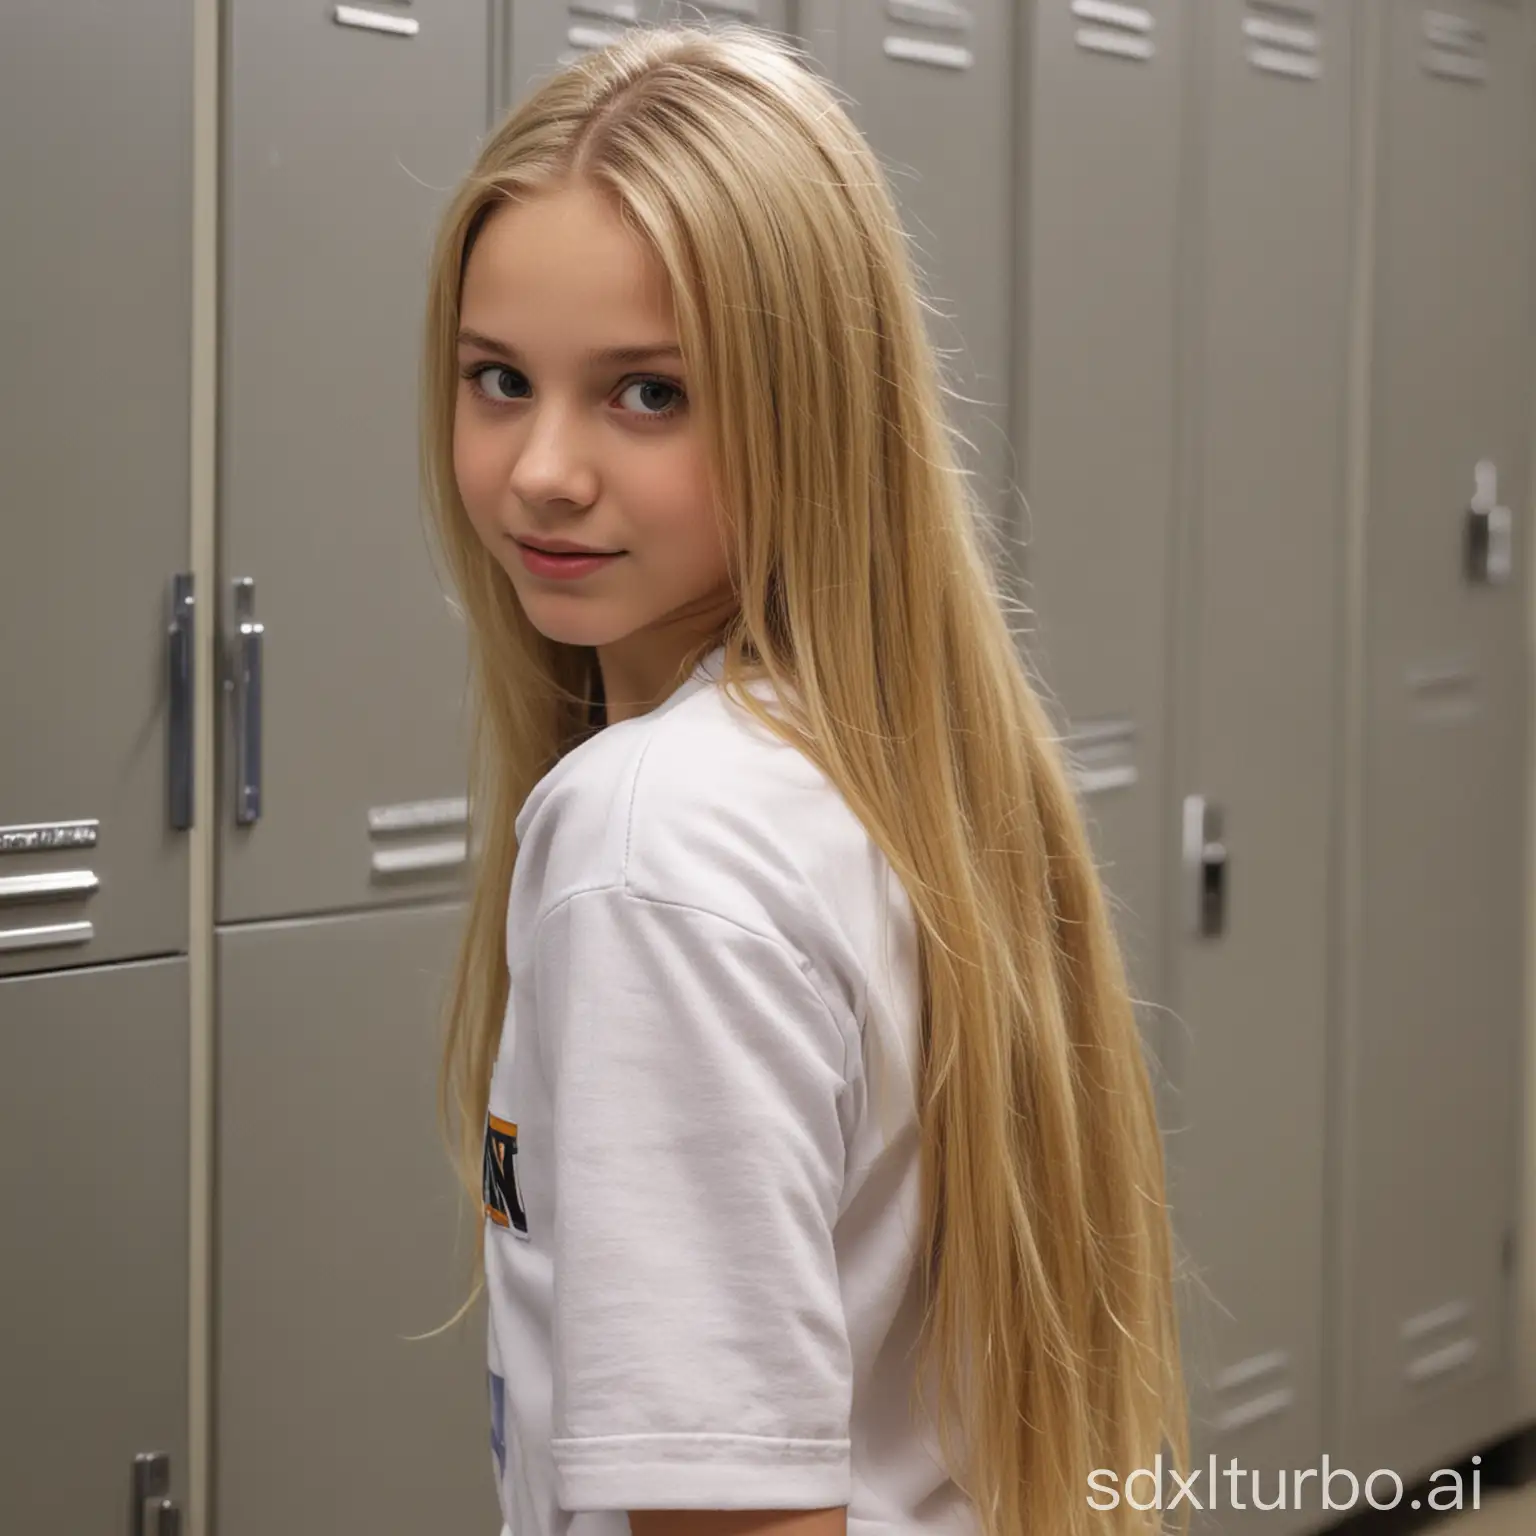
1205 863
183 701
248 672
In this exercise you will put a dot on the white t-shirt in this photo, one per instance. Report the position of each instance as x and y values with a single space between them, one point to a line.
701 1167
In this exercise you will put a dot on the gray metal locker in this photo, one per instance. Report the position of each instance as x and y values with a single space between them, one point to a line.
95 757
1095 419
339 1232
95 336
342 775
1433 1046
930 83
337 1216
1266 264
93 1202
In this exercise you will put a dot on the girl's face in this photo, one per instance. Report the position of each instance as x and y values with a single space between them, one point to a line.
573 424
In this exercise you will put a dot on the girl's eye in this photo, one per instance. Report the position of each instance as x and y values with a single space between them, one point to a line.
506 378
654 397
501 385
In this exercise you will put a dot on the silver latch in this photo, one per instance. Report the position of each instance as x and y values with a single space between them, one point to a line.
1490 529
1205 867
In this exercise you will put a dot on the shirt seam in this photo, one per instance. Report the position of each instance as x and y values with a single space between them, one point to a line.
802 963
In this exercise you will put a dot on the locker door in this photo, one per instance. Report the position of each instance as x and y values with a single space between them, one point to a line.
93 1204
1096 419
342 143
930 83
95 333
1434 1052
1268 281
340 1233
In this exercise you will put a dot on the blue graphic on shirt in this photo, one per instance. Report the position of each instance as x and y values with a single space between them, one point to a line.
499 1422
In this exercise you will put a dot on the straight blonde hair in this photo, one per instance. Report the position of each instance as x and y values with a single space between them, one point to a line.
866 595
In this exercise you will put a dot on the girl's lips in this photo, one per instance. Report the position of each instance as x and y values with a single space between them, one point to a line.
559 547
563 567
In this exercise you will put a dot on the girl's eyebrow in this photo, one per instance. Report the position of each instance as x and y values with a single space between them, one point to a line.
603 357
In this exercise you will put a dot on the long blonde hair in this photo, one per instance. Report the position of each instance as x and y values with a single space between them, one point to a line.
866 593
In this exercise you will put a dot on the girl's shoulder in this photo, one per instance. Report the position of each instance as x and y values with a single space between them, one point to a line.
702 805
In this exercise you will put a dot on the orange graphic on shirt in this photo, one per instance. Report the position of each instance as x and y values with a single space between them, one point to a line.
502 1196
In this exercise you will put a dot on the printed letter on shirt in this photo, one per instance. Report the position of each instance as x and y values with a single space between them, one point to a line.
503 1199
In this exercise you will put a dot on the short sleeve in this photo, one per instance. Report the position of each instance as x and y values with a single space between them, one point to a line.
701 1358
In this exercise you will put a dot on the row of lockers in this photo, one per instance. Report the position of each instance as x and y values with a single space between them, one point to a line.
1241 301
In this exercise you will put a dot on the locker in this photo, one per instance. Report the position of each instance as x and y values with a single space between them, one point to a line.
93 1202
1433 1049
94 443
342 771
1267 268
1095 421
339 1232
903 67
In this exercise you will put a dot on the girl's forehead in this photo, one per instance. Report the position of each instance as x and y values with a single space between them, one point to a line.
564 257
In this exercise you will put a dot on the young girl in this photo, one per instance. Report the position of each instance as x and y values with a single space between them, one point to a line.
790 1050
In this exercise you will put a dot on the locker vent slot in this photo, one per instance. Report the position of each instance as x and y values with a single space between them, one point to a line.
1102 755
376 21
1132 18
1444 695
401 828
604 10
726 7
587 40
1455 48
418 815
54 936
421 858
1441 1362
46 836
1458 33
1435 1321
1122 31
941 15
919 50
1275 1395
55 885
613 15
1430 1353
1282 48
